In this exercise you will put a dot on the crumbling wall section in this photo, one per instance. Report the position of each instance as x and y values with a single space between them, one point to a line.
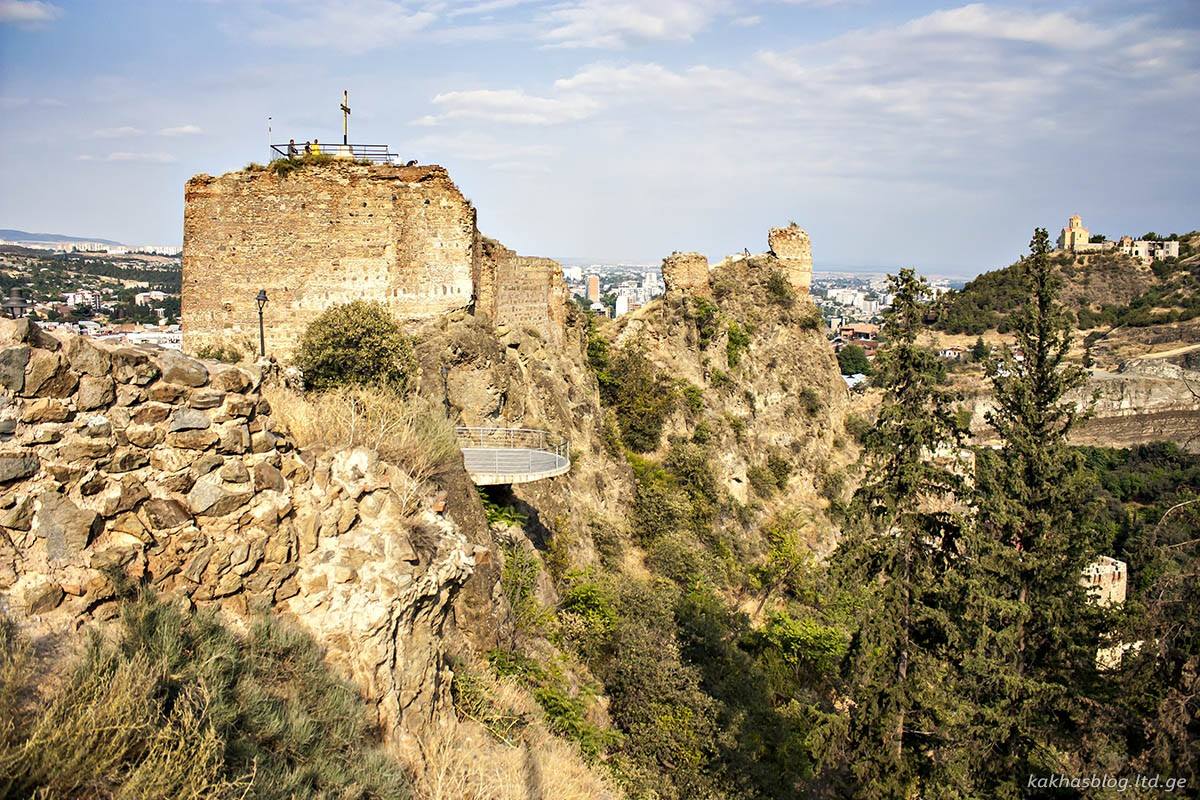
172 471
793 248
686 272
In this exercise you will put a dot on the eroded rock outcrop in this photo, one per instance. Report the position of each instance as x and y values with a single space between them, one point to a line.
132 463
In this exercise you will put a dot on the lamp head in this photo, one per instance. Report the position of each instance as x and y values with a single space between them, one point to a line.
261 299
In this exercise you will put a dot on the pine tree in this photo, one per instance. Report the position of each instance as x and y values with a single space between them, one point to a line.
1031 653
898 669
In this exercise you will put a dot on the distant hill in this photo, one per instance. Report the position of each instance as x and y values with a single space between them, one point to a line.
13 235
1102 289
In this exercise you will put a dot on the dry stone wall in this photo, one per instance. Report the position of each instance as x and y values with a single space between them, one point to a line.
329 234
135 461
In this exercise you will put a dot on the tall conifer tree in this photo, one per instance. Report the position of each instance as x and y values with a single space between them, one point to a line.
907 538
1031 651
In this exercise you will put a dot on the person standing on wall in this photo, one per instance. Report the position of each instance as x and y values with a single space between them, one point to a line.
292 152
308 148
316 148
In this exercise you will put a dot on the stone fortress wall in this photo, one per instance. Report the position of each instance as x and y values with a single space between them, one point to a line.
790 251
330 234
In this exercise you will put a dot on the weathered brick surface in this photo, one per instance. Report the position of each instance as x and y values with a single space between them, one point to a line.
792 247
330 234
521 291
686 272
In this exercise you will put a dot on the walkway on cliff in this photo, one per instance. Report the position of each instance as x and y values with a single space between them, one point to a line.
512 455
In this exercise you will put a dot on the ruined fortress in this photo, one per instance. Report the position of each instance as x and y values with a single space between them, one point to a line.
326 234
789 251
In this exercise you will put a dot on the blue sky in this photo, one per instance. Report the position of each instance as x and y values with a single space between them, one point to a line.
934 134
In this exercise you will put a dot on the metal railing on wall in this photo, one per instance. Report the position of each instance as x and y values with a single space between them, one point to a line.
375 153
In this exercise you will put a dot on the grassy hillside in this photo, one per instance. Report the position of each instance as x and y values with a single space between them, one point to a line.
1103 289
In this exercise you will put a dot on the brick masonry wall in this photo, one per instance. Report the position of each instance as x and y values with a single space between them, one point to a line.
323 235
792 247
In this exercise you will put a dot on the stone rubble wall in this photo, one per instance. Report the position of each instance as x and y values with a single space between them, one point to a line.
135 460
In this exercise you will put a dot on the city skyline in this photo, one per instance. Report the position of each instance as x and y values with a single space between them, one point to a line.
934 134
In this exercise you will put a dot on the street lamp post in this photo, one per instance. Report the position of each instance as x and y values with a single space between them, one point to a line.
16 304
262 340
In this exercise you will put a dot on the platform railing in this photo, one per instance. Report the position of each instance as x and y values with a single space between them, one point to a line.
513 450
375 153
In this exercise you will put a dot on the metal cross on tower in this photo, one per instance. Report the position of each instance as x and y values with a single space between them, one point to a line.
345 117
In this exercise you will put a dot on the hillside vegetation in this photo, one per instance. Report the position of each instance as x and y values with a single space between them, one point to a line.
1100 289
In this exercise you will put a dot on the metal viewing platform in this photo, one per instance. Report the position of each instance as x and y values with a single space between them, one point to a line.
375 153
512 455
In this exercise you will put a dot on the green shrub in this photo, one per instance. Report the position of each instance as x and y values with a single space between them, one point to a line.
780 290
737 342
857 426
641 396
701 434
519 581
852 359
810 401
693 397
719 379
225 352
356 344
762 480
780 466
498 514
176 705
704 313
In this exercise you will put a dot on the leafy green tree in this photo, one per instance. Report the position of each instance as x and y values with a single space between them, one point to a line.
901 554
980 350
356 344
852 360
1033 633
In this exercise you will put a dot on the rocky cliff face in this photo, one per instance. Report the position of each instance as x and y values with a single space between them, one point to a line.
127 463
767 378
1146 400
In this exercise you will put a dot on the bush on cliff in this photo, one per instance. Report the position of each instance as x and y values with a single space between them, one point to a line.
175 705
357 343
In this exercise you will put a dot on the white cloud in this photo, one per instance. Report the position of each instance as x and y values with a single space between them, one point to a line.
348 25
181 130
28 12
608 24
512 106
747 22
117 133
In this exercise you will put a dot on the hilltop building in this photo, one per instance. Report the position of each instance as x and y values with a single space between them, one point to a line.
1148 251
593 288
1077 239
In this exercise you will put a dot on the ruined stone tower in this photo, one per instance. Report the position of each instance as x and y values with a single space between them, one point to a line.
686 272
334 233
794 251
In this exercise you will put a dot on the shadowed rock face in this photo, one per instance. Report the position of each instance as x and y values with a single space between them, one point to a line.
172 471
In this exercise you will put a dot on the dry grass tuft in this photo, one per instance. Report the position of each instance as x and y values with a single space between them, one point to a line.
406 431
501 749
